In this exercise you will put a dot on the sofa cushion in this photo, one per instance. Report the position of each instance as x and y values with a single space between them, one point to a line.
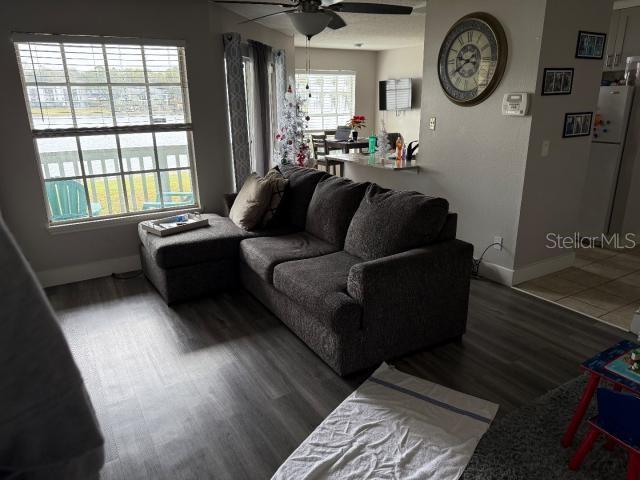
302 183
252 201
389 222
331 209
301 279
319 284
263 254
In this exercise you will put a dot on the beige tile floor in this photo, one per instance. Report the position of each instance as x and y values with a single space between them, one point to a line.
602 283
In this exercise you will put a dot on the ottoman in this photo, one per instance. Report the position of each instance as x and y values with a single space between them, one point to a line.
194 263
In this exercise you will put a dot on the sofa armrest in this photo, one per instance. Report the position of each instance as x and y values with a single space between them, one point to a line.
414 286
228 198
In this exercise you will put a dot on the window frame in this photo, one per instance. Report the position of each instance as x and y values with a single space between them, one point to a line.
77 133
335 73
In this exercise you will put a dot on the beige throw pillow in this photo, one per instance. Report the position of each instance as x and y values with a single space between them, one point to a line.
252 202
278 187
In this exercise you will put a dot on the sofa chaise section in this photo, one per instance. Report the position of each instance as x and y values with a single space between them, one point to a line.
197 262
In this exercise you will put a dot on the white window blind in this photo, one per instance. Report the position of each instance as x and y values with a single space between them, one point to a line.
111 125
332 101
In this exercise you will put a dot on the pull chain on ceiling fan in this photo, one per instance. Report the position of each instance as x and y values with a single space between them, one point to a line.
310 17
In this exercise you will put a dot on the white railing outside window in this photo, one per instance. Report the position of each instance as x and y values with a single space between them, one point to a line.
333 97
111 125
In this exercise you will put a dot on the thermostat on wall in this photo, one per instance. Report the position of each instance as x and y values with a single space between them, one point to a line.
515 104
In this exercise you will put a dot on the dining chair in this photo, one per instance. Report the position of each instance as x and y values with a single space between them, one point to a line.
320 150
393 138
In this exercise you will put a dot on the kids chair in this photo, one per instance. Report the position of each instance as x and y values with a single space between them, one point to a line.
618 420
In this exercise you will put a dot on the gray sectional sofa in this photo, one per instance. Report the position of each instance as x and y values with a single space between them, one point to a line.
360 273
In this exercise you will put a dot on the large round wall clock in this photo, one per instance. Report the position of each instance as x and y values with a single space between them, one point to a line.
472 59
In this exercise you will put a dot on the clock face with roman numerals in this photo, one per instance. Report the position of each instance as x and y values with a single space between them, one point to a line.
472 59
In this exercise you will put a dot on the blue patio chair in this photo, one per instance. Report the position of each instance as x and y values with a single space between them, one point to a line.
68 200
171 200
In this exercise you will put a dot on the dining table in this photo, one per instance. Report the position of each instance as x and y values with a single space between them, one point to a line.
346 145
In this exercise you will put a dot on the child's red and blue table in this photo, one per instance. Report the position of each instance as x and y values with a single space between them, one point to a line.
604 366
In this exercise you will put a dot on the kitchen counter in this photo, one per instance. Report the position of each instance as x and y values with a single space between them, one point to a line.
373 161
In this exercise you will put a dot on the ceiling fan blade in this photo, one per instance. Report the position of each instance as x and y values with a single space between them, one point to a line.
336 21
378 8
241 2
267 15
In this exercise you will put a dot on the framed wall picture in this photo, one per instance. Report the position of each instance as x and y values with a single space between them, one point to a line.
577 124
557 81
590 45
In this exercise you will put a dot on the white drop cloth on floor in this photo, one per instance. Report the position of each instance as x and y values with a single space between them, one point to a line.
394 426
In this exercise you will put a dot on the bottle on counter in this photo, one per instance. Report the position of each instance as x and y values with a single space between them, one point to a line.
399 145
372 143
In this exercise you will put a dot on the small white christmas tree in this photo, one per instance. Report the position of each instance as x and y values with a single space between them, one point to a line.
382 141
291 147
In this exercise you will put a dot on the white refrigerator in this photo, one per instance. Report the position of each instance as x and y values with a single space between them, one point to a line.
608 139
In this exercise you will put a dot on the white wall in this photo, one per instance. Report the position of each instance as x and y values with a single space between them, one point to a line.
73 256
554 184
401 63
363 62
476 157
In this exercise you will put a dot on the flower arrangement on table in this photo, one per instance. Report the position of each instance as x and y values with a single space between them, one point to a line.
356 123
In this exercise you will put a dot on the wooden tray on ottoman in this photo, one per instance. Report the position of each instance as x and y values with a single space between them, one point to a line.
176 224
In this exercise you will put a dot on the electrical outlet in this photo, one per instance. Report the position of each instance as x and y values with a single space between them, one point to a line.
498 243
432 123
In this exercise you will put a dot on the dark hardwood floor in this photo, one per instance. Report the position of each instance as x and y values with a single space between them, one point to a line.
219 388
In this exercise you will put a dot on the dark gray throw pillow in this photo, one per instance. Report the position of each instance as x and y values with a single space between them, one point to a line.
389 222
302 183
332 206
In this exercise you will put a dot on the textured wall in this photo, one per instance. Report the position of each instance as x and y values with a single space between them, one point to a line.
476 157
402 63
552 195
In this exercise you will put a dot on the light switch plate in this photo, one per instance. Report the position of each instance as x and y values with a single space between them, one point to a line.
545 148
432 123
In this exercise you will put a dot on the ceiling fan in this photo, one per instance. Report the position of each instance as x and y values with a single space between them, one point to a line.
310 17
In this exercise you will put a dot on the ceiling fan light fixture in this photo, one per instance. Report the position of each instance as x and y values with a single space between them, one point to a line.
309 23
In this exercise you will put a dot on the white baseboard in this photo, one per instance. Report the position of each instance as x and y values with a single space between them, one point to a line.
542 268
497 273
87 271
511 277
